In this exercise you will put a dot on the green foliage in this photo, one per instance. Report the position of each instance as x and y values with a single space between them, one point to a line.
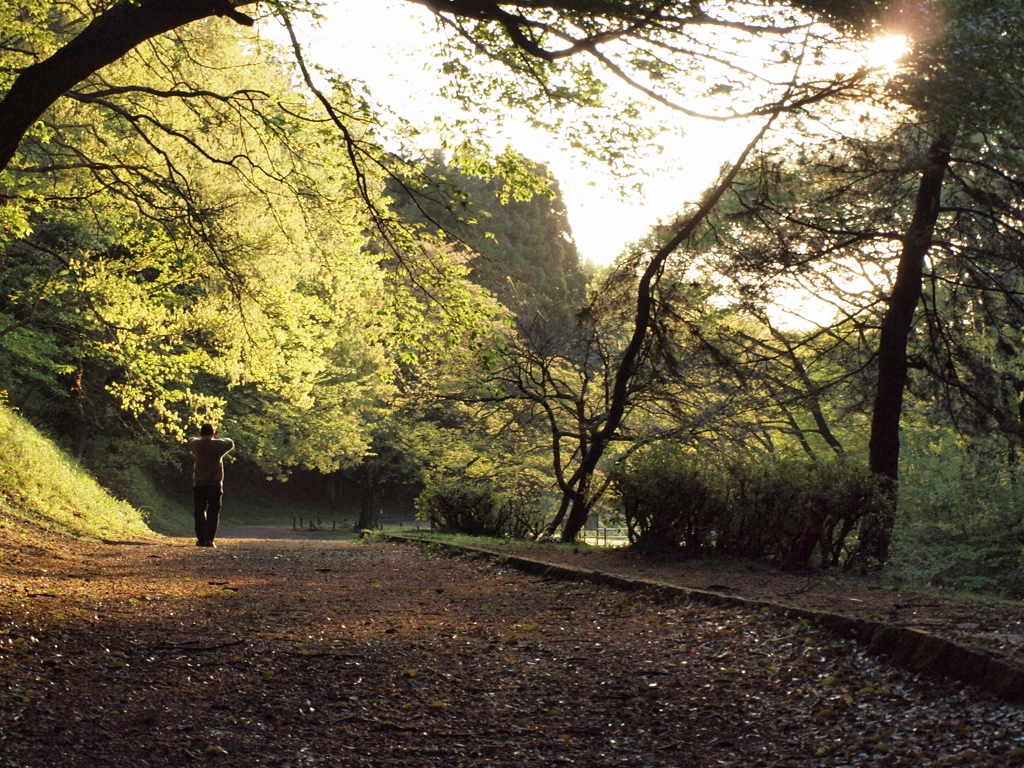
788 509
961 525
966 68
790 512
40 484
665 498
217 270
184 240
476 509
983 553
510 222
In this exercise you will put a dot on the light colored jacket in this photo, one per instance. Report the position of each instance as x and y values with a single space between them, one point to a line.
209 455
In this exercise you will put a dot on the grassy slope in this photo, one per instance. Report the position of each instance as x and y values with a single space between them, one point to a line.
41 487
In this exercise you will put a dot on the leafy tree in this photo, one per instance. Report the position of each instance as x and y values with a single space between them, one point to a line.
615 376
963 75
554 82
521 239
192 280
54 47
550 48
557 53
650 269
924 205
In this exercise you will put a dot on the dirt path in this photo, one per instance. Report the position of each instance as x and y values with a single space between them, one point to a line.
302 653
270 532
997 625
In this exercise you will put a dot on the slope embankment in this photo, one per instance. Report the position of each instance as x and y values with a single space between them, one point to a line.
43 492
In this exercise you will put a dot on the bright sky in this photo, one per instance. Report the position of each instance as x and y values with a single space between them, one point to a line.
388 45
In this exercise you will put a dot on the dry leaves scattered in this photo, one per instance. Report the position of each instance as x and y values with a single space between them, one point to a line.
316 653
997 625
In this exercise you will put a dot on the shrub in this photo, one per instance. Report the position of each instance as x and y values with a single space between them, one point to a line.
664 497
477 509
988 558
961 529
764 510
790 512
522 518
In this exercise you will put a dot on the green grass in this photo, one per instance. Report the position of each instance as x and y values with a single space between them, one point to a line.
172 516
253 512
43 486
485 541
275 512
165 515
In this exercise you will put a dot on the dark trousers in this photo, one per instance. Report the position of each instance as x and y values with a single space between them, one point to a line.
207 498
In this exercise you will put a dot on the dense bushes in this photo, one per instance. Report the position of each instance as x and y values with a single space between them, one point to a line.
961 527
986 556
794 513
476 508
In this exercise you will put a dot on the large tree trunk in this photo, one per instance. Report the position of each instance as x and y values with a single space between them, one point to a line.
884 446
563 507
369 499
109 37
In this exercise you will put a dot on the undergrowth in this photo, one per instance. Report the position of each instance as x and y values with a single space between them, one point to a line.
466 540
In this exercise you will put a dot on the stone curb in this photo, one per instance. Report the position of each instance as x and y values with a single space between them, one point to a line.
912 649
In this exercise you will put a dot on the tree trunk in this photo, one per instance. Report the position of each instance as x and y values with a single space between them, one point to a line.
581 504
367 514
109 37
884 445
368 500
81 439
631 355
563 507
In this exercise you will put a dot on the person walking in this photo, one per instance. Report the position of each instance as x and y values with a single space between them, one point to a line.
208 481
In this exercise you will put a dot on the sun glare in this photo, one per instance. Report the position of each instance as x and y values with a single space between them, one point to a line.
885 50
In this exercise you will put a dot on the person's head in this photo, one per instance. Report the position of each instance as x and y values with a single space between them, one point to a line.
207 430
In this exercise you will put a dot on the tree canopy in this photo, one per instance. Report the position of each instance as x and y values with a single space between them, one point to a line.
197 250
521 241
